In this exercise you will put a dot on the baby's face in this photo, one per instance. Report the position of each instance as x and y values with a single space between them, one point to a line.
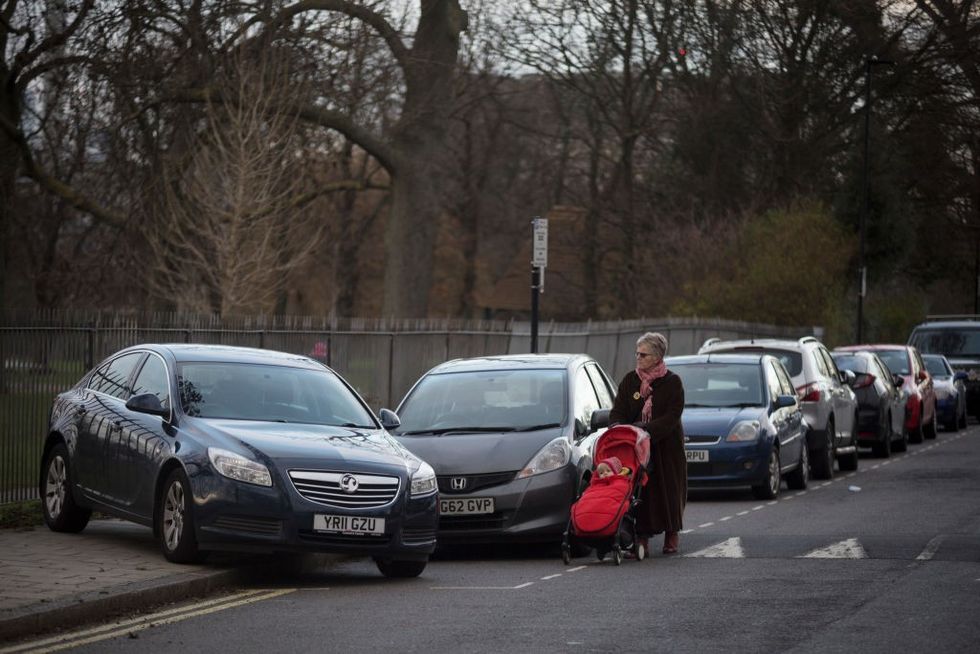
603 470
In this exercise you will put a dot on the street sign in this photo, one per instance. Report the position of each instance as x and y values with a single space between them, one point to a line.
539 241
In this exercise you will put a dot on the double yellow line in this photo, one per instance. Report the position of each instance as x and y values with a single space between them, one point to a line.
125 627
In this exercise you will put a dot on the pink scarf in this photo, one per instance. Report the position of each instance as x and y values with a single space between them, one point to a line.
646 379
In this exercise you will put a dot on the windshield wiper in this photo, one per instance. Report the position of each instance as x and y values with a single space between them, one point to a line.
547 425
455 430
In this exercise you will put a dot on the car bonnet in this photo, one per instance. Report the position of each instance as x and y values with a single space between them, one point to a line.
704 421
478 453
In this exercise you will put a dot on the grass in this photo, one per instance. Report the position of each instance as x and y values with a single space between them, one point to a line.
21 515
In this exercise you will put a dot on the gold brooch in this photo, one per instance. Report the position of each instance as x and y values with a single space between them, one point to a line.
636 395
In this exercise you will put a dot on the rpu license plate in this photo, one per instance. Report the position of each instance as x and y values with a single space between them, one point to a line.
466 505
348 524
696 456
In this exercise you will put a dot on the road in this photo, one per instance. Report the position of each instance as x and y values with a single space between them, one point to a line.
882 560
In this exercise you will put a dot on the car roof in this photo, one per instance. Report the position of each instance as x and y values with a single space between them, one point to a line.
871 347
511 362
201 352
785 343
941 324
716 358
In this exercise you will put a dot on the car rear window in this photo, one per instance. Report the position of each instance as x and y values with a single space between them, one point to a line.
851 362
964 342
937 367
896 360
792 361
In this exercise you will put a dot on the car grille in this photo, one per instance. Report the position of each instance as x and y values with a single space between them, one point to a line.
467 522
371 491
709 469
342 539
701 440
264 526
474 483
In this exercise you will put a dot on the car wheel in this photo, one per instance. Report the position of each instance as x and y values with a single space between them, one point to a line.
400 569
769 488
175 520
916 434
849 462
60 511
823 463
798 479
883 448
930 430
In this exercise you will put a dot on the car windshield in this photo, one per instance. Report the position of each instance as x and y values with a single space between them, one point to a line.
949 342
243 391
792 361
721 384
937 366
485 400
896 360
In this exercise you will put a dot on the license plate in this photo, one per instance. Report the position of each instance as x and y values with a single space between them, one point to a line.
348 524
466 506
696 456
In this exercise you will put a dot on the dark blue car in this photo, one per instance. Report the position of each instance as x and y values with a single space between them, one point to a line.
220 447
742 423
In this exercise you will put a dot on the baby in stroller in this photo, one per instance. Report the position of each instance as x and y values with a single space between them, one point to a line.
603 517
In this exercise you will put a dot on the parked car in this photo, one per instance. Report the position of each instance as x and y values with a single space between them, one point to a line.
510 439
743 425
235 448
829 405
920 398
958 339
950 388
881 403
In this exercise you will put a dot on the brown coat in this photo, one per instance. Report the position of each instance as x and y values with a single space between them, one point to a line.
665 495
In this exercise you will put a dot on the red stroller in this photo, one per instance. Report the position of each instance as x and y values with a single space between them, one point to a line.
604 516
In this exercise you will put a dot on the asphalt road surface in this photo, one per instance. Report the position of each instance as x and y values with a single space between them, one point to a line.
886 559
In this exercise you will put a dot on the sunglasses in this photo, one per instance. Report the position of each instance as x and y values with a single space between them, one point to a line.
643 355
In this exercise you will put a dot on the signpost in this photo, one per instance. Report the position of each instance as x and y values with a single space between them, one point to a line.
539 261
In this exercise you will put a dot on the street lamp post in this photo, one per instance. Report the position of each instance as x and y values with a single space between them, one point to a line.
866 188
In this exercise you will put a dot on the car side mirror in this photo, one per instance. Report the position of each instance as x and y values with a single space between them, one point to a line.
960 375
389 419
147 403
783 401
898 380
848 377
600 419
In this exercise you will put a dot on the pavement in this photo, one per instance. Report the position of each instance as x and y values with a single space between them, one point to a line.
53 581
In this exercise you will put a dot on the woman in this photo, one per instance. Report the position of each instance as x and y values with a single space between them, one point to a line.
652 398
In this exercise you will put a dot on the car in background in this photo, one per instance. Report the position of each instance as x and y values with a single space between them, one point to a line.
881 403
218 447
743 425
920 398
828 403
510 438
950 388
958 339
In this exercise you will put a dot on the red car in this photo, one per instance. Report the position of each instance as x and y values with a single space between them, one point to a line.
920 405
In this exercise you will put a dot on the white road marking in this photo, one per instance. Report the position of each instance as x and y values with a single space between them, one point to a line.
931 548
789 497
757 508
876 466
524 585
88 636
800 493
772 503
885 463
519 586
845 549
707 524
550 577
686 531
727 517
826 483
576 569
742 513
728 549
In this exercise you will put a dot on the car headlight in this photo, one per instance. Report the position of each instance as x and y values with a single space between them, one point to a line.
552 456
424 480
235 466
747 430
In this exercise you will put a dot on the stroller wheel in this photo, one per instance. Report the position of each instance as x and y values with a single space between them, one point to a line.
641 552
618 556
566 554
600 555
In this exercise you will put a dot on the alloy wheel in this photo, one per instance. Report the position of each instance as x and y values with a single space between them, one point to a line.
54 486
173 515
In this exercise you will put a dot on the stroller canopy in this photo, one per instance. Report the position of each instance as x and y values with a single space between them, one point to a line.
631 445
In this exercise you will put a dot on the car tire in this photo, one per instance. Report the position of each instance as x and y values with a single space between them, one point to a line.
883 448
916 434
798 479
175 520
823 462
769 488
57 502
930 431
395 569
849 462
